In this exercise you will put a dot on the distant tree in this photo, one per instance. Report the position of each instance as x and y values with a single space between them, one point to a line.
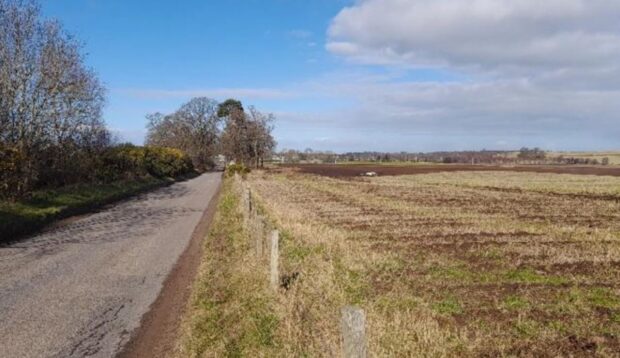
531 154
247 135
605 161
193 128
235 135
290 155
260 139
228 106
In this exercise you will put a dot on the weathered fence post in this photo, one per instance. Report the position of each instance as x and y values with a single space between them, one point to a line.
248 198
274 275
246 201
353 332
260 232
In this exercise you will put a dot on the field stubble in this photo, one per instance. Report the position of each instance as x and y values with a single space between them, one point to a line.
449 264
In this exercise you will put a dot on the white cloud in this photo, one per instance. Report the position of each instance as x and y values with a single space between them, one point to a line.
535 72
388 113
505 106
525 37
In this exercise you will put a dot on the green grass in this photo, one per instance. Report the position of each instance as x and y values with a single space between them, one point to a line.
45 206
526 328
515 303
603 298
232 308
527 275
448 306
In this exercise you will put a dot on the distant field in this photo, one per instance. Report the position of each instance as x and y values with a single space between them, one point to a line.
353 170
449 264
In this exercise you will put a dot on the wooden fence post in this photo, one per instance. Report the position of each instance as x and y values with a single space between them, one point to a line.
260 232
248 197
274 275
353 332
246 203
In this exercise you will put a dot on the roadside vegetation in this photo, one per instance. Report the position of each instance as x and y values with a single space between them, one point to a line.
43 207
125 171
232 312
57 157
445 264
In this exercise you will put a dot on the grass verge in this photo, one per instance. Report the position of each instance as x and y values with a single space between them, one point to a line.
46 206
232 310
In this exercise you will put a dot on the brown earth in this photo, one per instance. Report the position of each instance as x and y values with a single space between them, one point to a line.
353 170
527 273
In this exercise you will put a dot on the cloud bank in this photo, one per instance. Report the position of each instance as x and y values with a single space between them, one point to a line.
502 36
542 71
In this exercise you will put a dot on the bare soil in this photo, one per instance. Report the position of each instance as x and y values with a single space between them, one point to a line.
353 170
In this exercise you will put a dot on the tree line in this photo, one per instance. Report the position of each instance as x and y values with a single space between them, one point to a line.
204 128
523 156
51 127
52 131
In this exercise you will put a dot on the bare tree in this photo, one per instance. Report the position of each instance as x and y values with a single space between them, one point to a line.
260 139
234 141
247 136
193 128
50 102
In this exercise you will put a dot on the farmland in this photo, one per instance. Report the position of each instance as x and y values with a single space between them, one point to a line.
465 263
613 156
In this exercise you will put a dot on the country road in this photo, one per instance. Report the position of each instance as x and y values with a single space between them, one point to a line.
81 289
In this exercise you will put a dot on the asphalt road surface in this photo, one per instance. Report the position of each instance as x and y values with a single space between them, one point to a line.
81 289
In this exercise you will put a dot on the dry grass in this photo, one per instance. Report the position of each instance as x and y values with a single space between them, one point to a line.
232 311
458 264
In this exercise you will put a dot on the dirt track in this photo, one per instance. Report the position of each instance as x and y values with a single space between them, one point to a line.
353 170
82 288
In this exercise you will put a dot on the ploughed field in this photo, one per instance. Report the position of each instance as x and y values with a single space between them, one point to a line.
352 170
483 263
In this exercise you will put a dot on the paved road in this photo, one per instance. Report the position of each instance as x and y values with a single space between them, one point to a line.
81 289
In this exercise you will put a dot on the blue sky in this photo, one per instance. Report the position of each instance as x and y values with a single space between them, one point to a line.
365 75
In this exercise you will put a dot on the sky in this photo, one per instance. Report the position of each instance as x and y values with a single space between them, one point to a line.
357 75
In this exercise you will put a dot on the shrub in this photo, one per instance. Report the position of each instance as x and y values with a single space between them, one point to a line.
121 162
11 183
167 162
124 161
129 161
232 169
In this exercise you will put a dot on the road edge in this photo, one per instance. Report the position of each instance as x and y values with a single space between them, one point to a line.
159 327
